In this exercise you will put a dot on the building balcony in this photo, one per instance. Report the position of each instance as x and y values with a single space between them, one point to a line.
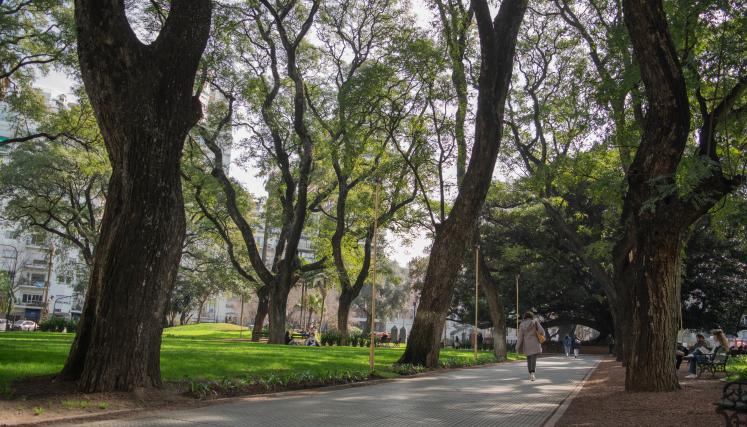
34 266
34 304
36 285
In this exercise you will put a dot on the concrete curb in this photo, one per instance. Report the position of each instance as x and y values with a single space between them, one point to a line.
560 410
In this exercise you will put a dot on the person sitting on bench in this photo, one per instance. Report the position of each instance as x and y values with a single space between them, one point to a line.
702 353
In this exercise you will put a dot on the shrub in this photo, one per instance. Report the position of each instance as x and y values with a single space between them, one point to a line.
326 338
58 324
330 337
408 369
270 382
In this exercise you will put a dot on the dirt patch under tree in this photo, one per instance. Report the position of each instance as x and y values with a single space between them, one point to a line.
604 402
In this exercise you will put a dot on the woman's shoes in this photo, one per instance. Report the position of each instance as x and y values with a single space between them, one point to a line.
691 376
531 376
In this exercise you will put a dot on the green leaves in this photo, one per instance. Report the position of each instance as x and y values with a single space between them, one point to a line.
59 186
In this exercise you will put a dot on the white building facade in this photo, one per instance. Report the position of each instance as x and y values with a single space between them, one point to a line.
42 281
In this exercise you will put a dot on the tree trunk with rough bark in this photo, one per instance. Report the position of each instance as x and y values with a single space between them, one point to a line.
278 303
343 313
647 254
183 318
655 216
263 296
497 45
653 319
143 101
497 311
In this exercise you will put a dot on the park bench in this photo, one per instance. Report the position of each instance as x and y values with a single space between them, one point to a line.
716 363
733 404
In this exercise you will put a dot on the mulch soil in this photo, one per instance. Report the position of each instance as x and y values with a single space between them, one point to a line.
43 400
603 401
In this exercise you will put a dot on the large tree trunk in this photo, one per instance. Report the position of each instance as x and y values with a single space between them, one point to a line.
343 313
277 307
77 356
656 313
200 307
142 98
654 215
497 44
134 312
497 312
647 255
263 306
183 317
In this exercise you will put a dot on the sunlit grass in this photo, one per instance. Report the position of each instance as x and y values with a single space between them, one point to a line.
207 352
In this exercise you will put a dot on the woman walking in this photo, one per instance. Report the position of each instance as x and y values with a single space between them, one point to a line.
576 346
529 341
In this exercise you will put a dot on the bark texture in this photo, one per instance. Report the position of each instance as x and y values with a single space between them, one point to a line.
143 101
655 216
497 46
343 313
497 312
263 306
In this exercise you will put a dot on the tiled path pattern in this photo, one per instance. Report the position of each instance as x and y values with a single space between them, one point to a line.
497 395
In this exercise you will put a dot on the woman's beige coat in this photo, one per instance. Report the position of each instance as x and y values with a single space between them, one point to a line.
527 338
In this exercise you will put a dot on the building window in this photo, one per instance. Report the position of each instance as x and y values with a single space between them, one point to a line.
65 279
38 280
31 298
38 240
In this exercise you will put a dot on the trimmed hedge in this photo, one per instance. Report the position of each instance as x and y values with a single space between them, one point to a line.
58 324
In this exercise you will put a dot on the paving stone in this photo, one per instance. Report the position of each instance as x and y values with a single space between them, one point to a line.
488 396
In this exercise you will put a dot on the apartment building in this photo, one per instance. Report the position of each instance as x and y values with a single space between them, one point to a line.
43 281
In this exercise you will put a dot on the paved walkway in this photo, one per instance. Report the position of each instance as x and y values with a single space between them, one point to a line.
488 396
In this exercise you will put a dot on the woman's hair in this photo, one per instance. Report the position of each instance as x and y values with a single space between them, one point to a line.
529 315
721 338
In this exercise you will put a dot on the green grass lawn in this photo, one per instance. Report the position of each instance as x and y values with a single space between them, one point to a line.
737 368
205 352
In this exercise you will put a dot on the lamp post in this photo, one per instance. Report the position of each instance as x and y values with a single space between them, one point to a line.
517 306
371 355
477 287
241 317
58 299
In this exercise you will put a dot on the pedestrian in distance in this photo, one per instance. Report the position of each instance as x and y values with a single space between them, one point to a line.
479 341
611 343
567 344
576 346
529 341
